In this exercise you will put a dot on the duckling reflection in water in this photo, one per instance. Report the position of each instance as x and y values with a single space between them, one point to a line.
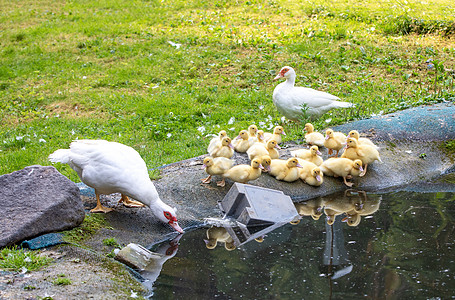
219 234
364 207
312 207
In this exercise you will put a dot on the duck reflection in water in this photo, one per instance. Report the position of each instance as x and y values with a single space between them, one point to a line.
219 234
364 206
163 253
312 207
354 204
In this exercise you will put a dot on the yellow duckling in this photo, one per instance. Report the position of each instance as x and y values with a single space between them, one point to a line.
224 149
277 132
216 166
313 208
366 153
219 234
266 161
312 137
342 167
310 173
362 141
286 170
252 131
243 141
245 173
216 140
259 150
260 137
334 141
311 155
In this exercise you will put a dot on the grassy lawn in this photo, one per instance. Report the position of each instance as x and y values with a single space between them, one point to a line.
107 70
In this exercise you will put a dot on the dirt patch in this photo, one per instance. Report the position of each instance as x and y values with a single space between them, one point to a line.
89 276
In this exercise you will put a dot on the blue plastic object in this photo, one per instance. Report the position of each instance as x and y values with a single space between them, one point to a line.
45 240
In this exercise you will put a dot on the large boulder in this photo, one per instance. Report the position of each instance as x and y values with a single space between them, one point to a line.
37 200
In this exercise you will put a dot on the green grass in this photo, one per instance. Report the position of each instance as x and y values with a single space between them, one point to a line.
111 242
61 280
91 223
105 69
20 260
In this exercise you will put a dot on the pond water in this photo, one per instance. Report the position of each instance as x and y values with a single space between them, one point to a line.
391 246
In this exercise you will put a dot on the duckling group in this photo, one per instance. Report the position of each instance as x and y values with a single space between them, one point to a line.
306 164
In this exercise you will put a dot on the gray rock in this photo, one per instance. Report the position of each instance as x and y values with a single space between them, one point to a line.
37 200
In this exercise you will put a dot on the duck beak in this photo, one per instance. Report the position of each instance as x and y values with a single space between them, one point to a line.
278 76
361 169
318 178
176 226
319 153
298 166
326 137
231 146
261 167
278 147
283 133
203 167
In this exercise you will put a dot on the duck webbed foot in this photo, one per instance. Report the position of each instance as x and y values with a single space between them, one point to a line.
349 184
207 180
221 183
99 208
130 203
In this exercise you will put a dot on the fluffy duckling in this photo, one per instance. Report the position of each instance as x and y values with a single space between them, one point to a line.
219 234
216 166
252 131
310 173
243 141
259 150
216 140
277 132
334 141
313 208
245 173
223 149
266 161
362 141
286 170
342 167
260 136
366 153
312 137
311 155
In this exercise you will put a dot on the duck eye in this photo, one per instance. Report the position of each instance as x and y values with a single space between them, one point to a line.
167 215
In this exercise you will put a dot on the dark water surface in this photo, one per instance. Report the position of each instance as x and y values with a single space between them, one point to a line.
398 246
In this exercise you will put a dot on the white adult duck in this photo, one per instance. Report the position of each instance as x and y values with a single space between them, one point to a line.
290 99
111 167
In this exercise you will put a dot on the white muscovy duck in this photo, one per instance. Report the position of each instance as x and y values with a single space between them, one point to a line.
111 167
290 99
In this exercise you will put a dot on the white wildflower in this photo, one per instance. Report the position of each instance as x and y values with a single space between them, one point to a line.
42 140
176 45
231 120
201 129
